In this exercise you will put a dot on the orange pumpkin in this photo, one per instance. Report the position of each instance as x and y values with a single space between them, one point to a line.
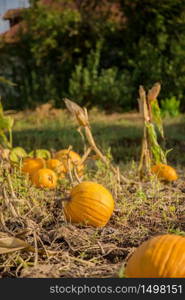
70 159
161 256
31 165
90 204
164 172
57 166
44 178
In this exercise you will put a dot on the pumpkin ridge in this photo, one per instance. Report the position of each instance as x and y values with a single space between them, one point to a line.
148 246
169 252
90 207
156 254
95 200
93 196
175 257
70 211
95 220
162 256
92 202
83 192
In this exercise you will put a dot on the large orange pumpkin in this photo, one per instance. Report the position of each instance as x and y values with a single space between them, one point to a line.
161 256
31 165
164 172
90 204
57 166
44 178
70 159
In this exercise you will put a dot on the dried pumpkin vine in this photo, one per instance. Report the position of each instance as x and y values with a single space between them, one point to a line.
151 151
81 116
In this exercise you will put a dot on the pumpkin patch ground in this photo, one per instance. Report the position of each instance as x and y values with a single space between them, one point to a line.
44 240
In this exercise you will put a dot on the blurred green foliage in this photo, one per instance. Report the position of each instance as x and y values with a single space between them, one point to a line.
170 107
97 53
93 85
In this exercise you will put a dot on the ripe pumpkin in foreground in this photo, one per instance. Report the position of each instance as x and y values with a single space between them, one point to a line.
57 166
164 172
70 159
44 178
162 256
31 165
90 204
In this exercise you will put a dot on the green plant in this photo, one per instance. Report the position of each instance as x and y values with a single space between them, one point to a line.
151 151
6 124
170 107
93 85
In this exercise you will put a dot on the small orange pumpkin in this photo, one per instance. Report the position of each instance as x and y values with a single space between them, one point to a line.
164 172
162 256
57 166
70 159
44 178
31 165
90 204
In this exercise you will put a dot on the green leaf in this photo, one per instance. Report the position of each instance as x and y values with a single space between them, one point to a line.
6 81
4 140
156 116
157 152
16 154
40 153
10 244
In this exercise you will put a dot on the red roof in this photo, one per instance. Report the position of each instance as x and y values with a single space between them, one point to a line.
13 35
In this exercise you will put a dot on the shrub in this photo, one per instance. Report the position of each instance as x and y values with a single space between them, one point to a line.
170 107
92 85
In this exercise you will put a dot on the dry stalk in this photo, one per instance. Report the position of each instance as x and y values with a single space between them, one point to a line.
101 247
145 111
76 175
10 205
69 168
82 118
11 186
100 154
151 152
36 248
85 156
79 129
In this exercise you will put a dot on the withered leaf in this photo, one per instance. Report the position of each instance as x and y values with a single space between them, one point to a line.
10 244
77 111
154 91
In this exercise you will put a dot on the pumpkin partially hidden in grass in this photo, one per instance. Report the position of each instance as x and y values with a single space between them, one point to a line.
70 160
31 165
57 166
162 256
164 172
44 178
90 204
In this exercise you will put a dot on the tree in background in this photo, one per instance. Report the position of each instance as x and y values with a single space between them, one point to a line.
154 44
58 55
